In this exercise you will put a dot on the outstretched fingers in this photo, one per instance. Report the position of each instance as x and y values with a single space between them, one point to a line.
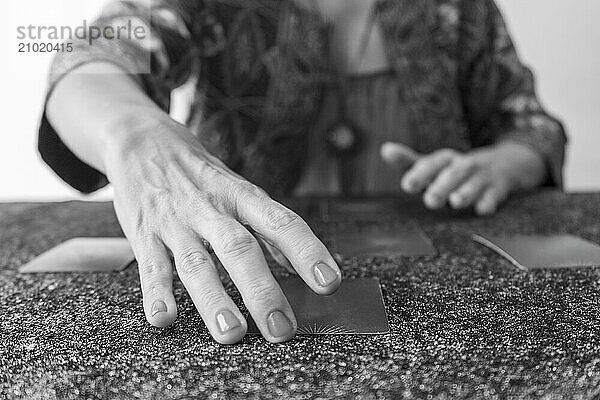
242 257
289 233
201 279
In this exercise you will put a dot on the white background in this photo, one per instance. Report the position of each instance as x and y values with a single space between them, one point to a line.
559 39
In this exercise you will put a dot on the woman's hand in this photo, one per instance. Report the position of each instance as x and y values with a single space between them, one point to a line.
482 178
170 196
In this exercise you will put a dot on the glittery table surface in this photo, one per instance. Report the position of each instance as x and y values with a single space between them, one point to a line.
465 324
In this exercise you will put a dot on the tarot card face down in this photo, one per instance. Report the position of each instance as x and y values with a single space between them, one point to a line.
83 255
536 251
359 210
405 240
356 308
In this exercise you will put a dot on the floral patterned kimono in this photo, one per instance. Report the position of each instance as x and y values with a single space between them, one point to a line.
261 68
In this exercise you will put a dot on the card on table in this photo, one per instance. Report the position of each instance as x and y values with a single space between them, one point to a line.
83 255
359 210
404 240
356 308
538 251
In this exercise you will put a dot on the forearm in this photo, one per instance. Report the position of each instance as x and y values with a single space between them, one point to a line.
89 107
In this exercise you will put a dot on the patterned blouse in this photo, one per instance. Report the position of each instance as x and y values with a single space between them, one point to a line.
260 68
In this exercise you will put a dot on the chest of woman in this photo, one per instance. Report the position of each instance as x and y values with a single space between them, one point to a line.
262 91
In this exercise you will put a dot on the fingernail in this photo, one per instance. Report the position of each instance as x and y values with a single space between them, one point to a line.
324 274
410 186
227 321
456 200
434 201
158 306
279 325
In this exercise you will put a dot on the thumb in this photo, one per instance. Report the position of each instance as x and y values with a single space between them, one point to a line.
398 155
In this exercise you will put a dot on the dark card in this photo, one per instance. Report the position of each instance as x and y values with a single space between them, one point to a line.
83 255
404 240
359 210
356 308
537 251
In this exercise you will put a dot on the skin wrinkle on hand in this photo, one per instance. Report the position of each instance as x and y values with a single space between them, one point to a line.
465 324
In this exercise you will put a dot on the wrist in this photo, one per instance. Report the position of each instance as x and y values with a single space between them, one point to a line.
130 129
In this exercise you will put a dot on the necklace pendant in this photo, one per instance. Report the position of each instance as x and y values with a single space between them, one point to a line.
343 138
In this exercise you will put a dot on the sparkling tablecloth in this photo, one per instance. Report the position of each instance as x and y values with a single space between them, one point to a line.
465 324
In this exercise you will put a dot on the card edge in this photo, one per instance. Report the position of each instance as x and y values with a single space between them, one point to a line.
487 243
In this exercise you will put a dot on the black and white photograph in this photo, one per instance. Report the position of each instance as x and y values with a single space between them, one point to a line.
300 199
